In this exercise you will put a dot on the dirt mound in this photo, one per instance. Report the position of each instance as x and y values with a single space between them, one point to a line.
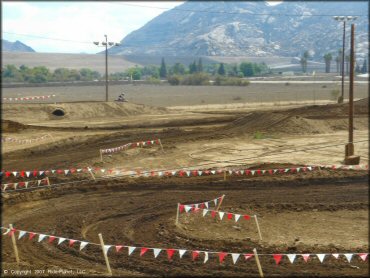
10 126
305 120
26 113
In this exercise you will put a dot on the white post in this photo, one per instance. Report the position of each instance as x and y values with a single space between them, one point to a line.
177 214
14 244
48 181
105 255
92 175
258 262
101 155
258 227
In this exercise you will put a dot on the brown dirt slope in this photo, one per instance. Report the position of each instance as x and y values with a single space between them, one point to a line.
76 111
10 126
304 120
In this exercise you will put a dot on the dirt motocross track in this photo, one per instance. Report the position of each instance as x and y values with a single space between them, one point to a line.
321 211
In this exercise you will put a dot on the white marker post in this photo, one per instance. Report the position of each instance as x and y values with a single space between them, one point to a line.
105 255
14 244
177 214
258 262
48 181
219 204
258 227
92 175
101 155
160 143
224 175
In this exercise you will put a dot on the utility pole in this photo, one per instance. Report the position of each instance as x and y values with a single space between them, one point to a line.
106 43
350 158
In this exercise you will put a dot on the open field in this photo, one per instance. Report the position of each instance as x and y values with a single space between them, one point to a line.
166 95
307 212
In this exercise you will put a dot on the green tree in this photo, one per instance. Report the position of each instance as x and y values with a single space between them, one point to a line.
178 68
327 57
193 68
247 68
200 65
364 67
163 69
221 69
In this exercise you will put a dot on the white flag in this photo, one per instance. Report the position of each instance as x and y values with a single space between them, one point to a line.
106 248
38 182
41 237
131 249
156 252
213 172
309 168
66 171
61 239
237 216
298 169
253 171
206 204
200 173
336 256
83 244
21 234
205 257
349 257
321 257
181 253
205 212
188 173
6 232
221 214
28 174
291 257
215 201
187 208
242 172
26 184
275 170
235 257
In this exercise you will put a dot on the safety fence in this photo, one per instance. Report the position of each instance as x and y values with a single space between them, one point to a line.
25 141
28 98
170 252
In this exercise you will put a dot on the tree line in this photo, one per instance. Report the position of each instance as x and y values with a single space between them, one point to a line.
190 74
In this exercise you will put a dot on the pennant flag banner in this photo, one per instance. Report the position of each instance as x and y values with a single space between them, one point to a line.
130 145
171 251
194 207
168 173
27 98
221 214
24 141
22 185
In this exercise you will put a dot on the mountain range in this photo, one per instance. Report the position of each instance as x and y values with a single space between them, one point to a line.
255 29
16 46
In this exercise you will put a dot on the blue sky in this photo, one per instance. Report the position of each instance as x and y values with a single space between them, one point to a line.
79 23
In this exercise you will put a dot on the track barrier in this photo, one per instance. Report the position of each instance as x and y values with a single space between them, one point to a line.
28 98
127 146
194 254
25 141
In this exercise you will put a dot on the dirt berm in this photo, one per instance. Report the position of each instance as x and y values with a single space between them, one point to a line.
25 113
304 120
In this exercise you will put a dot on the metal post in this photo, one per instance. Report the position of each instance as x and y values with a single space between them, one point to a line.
106 68
350 159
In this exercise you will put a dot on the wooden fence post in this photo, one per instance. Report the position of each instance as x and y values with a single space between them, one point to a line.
101 155
105 255
48 181
258 227
14 244
219 204
177 214
160 143
92 175
224 175
258 262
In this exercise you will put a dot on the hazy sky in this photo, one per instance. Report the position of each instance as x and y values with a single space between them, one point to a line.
79 23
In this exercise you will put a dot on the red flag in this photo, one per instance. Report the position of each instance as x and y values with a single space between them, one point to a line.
258 172
248 256
181 173
157 141
59 171
229 216
143 250
73 170
304 169
152 173
213 213
202 205
293 170
71 242
195 254
181 208
7 174
247 172
222 256
281 170
22 174
51 238
277 258
246 217
271 172
195 173
32 235
118 247
306 257
21 183
170 253
12 231
363 256
35 172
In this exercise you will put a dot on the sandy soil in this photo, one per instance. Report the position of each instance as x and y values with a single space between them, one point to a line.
311 212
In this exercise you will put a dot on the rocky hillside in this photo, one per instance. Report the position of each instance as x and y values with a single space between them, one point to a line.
16 46
248 29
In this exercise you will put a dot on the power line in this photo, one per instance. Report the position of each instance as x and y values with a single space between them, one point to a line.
47 38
